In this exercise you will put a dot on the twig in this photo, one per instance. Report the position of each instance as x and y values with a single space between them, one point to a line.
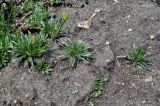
23 18
27 26
121 56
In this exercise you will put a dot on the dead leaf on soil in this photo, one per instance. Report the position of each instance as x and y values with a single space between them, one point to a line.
87 23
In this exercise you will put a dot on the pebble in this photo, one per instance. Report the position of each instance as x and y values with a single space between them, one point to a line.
152 37
97 10
130 29
77 84
107 43
76 91
15 101
144 101
148 79
116 1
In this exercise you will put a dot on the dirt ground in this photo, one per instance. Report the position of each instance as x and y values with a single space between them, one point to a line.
124 24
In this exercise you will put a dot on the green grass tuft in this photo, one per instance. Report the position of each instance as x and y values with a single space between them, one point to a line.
55 29
53 2
44 68
76 50
99 87
27 47
139 57
5 51
40 13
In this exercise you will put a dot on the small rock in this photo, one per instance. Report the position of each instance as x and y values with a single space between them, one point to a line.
15 101
95 42
97 10
107 43
76 91
144 101
148 79
108 61
128 16
77 84
152 37
130 29
116 1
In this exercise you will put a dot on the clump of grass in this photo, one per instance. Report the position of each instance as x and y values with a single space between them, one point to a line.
44 68
55 29
8 14
139 57
28 46
99 87
76 50
27 6
40 13
5 51
55 2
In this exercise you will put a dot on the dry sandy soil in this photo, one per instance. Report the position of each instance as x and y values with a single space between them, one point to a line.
124 24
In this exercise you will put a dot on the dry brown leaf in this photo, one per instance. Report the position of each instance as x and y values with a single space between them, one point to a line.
87 23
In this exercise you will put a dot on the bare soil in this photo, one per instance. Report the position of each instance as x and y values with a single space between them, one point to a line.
124 24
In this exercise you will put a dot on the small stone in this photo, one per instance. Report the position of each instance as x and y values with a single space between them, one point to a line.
95 42
108 60
128 16
77 84
148 79
15 101
107 43
116 1
76 91
97 10
152 18
144 101
130 29
152 37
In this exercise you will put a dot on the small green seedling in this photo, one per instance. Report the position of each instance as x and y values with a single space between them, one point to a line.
55 29
99 87
76 50
55 2
28 46
44 68
40 13
139 57
5 51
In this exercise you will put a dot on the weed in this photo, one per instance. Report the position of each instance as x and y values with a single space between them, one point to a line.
27 6
99 86
7 16
55 29
139 57
5 51
76 50
40 13
28 46
44 68
55 2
